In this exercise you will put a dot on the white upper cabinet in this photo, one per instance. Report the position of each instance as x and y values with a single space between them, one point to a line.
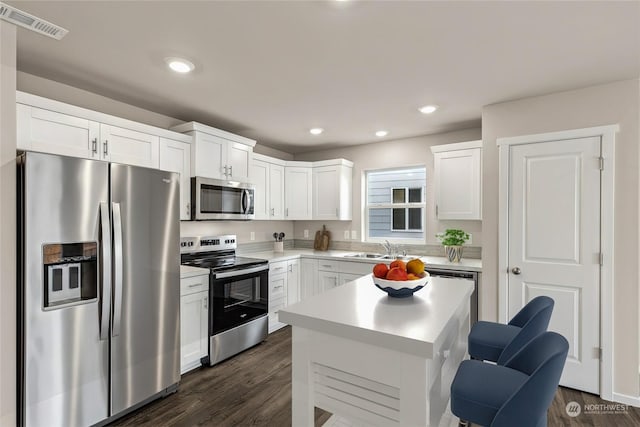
54 127
458 180
267 174
52 132
218 154
298 190
175 156
129 147
332 189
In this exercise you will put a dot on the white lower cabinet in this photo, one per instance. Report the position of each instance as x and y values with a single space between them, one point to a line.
308 278
348 277
284 289
194 332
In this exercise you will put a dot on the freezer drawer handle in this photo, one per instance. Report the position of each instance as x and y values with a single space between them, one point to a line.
117 269
105 306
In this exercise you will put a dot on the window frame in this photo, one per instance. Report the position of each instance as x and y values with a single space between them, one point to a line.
390 205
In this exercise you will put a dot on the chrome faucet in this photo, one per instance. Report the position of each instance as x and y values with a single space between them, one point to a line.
389 248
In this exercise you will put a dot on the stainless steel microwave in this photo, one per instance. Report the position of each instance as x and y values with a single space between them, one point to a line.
216 199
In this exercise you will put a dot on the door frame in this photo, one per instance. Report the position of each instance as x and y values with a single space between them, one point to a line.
607 138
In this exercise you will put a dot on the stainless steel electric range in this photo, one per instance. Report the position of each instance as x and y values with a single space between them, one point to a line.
238 292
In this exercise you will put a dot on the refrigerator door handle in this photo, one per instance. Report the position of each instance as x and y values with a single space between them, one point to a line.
117 269
105 307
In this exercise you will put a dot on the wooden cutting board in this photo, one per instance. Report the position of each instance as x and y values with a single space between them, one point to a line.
322 239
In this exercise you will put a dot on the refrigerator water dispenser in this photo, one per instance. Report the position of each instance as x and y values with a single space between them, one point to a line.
70 273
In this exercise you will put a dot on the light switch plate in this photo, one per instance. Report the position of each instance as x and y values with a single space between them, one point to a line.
346 234
354 235
306 234
252 235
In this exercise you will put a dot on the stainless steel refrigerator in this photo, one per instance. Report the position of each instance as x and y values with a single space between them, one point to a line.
99 288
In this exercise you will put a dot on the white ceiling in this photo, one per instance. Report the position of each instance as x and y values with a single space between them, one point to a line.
271 70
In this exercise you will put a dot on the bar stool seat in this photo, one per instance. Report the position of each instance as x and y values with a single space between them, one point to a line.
492 341
488 339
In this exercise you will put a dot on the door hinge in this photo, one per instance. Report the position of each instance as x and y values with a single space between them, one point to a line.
601 159
601 258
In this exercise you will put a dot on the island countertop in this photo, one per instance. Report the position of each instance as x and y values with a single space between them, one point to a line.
360 311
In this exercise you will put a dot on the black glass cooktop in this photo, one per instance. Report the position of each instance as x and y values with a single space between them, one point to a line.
217 262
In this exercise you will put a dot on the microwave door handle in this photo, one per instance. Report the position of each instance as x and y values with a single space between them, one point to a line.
248 201
117 269
105 242
245 202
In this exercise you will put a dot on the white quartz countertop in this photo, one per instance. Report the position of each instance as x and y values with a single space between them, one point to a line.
430 261
188 271
360 311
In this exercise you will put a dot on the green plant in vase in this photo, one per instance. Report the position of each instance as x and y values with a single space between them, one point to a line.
452 239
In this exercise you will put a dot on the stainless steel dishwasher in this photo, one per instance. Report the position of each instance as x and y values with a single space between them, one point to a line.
473 276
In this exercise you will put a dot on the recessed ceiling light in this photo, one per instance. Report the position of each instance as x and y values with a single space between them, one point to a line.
316 131
381 133
428 109
180 65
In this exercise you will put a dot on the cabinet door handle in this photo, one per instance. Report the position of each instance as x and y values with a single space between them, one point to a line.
105 150
436 210
291 268
337 213
94 145
326 266
188 209
204 303
225 170
273 211
286 212
231 170
195 285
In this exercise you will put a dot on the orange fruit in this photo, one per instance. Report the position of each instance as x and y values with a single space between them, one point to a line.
397 274
380 270
415 266
399 264
412 276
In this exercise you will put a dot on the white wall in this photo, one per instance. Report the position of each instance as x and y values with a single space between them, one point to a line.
613 103
389 154
7 224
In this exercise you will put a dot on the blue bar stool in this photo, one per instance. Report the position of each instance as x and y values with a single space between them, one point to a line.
516 394
488 340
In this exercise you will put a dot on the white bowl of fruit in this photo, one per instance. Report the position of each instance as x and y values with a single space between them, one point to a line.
400 279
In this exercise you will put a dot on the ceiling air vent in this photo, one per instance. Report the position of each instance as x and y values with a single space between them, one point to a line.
33 23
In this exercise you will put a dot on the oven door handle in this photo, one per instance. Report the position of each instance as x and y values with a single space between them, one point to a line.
242 272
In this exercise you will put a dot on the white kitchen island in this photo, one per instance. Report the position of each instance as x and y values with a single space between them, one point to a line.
377 360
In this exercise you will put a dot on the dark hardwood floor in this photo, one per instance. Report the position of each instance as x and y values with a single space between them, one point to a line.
254 388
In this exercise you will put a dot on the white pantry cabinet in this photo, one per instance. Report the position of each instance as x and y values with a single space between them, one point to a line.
50 126
298 190
194 332
458 180
267 174
332 189
175 156
218 154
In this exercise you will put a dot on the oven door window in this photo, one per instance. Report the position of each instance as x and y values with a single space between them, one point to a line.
218 199
238 300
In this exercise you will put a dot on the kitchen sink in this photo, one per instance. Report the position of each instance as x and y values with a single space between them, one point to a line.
367 255
380 256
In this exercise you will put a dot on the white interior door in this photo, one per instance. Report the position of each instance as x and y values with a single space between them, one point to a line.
554 244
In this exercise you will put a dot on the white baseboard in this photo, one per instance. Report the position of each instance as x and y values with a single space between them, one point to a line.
626 399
